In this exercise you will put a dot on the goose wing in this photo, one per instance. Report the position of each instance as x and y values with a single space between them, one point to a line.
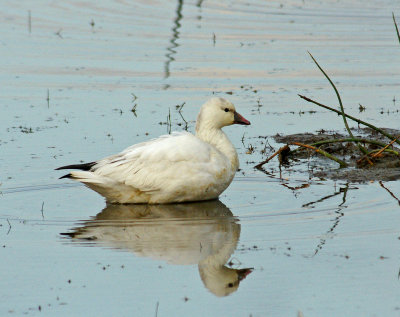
168 162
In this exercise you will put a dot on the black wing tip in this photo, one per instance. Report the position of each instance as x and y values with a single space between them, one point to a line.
68 234
69 175
83 167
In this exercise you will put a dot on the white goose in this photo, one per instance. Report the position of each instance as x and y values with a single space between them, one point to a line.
172 168
203 233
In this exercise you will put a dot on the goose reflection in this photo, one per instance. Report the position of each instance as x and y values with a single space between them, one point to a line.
204 233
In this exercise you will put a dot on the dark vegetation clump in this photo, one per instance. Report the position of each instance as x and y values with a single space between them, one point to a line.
372 150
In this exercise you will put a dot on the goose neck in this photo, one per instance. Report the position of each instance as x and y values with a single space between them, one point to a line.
218 138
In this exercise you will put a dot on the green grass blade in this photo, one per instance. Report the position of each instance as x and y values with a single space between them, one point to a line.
395 25
362 149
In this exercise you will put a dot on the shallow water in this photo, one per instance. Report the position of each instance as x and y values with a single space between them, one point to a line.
68 84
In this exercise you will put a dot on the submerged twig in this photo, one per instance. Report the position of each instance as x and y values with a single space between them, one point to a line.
388 190
283 148
348 140
388 135
336 221
9 226
326 154
297 187
379 151
322 199
180 113
133 110
376 153
286 147
362 149
134 98
169 124
329 141
383 149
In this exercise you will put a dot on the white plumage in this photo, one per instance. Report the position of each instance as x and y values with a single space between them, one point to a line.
172 168
203 233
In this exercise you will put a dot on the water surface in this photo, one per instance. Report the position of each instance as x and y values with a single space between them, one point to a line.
69 80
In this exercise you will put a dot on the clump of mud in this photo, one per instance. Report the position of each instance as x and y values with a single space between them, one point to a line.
385 167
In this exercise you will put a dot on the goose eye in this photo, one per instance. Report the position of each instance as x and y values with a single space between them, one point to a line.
230 285
226 110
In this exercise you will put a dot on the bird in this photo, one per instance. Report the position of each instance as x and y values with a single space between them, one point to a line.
205 234
173 168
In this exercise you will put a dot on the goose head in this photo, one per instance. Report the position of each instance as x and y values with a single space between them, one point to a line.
217 113
222 281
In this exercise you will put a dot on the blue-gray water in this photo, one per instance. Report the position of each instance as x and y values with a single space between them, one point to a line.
69 80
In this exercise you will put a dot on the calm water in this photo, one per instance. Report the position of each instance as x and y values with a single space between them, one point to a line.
70 76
